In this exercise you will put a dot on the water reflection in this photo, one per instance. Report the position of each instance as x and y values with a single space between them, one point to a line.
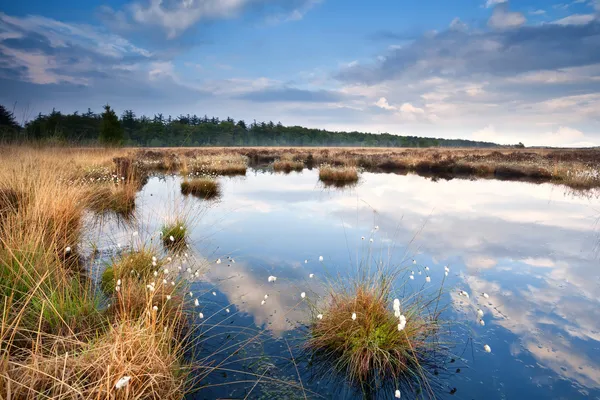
531 247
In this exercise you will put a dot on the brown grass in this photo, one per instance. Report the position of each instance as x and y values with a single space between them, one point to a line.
576 168
203 187
331 175
56 339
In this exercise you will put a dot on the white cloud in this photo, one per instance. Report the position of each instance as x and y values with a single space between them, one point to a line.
458 25
502 18
537 12
383 103
492 3
576 19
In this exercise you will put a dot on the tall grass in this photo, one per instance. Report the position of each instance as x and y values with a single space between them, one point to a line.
338 176
57 339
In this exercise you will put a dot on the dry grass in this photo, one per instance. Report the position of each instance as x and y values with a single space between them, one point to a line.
576 168
338 176
56 338
288 163
203 187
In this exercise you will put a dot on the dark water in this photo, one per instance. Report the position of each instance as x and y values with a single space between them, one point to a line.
532 248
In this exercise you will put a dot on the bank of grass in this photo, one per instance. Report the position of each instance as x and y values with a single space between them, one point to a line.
354 333
224 163
575 168
57 338
338 176
204 187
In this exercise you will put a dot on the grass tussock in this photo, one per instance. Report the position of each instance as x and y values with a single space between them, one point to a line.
119 199
203 187
357 332
331 175
174 233
217 164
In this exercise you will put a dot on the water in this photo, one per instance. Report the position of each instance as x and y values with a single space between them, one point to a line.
532 248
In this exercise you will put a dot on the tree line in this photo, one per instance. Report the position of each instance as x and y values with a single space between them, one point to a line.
191 130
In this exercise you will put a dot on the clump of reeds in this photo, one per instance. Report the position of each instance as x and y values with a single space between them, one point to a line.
174 233
287 163
203 187
338 176
361 332
139 264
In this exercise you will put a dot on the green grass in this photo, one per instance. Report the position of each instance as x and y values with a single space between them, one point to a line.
174 234
133 264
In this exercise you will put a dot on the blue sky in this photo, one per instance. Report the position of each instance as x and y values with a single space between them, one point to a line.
504 71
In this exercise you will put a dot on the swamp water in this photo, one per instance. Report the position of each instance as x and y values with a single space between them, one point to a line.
532 248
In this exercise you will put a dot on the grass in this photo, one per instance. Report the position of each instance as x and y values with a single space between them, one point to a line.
203 187
338 176
354 333
57 338
119 199
174 233
287 163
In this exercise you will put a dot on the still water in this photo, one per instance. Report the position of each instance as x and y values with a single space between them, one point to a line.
532 248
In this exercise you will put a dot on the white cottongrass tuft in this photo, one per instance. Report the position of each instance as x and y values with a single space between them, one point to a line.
487 296
67 249
155 308
481 322
118 282
412 277
168 297
463 293
135 233
266 296
487 348
196 303
362 238
201 315
262 303
123 382
428 279
396 305
320 316
402 323
272 278
446 269
150 288
320 258
227 310
371 240
479 312
218 261
169 259
305 261
311 275
303 294
353 316
397 394
155 273
376 227
171 238
414 261
214 293
426 268
153 259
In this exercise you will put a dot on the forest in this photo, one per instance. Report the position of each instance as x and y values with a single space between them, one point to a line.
90 128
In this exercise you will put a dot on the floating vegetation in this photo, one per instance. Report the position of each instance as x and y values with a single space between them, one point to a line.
203 187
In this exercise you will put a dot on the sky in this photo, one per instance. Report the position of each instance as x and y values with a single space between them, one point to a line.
494 70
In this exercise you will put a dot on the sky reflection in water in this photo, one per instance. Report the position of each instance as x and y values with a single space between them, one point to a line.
531 247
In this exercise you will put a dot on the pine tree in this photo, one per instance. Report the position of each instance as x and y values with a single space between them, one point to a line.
111 132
